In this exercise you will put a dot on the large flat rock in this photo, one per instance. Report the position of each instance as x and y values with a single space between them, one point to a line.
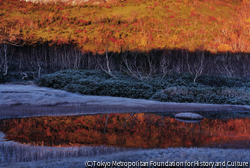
31 100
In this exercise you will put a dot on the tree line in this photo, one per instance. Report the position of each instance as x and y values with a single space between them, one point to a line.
44 58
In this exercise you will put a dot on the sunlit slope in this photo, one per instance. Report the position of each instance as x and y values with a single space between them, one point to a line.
130 25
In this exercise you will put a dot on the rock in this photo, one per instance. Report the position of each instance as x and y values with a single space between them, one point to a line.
189 117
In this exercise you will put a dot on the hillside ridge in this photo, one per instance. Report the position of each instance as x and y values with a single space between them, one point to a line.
142 25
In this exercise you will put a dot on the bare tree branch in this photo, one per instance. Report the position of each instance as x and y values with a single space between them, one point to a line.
165 64
199 63
107 59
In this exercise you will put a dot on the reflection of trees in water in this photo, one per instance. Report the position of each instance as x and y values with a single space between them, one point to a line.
156 131
124 130
191 131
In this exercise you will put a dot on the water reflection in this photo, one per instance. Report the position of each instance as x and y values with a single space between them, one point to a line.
142 130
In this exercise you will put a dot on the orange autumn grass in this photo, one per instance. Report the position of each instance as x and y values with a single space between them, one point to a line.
217 26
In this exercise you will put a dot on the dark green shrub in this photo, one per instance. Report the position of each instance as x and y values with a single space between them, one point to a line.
125 89
75 88
213 95
173 88
112 88
220 81
57 81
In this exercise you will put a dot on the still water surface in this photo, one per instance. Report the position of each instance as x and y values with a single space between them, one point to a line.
138 130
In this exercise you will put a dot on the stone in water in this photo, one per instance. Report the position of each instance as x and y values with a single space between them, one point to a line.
189 117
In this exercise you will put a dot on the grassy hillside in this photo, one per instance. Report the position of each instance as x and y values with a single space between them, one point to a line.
216 26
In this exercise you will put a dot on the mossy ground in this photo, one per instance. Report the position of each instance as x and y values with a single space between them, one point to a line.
171 88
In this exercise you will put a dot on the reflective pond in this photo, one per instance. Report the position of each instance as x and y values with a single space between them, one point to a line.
136 130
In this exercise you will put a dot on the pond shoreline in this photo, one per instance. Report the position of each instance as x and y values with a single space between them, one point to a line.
31 100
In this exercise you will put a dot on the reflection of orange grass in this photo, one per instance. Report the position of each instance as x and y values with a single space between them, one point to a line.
125 130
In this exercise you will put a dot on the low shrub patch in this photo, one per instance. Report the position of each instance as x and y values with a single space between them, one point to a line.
173 88
211 95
